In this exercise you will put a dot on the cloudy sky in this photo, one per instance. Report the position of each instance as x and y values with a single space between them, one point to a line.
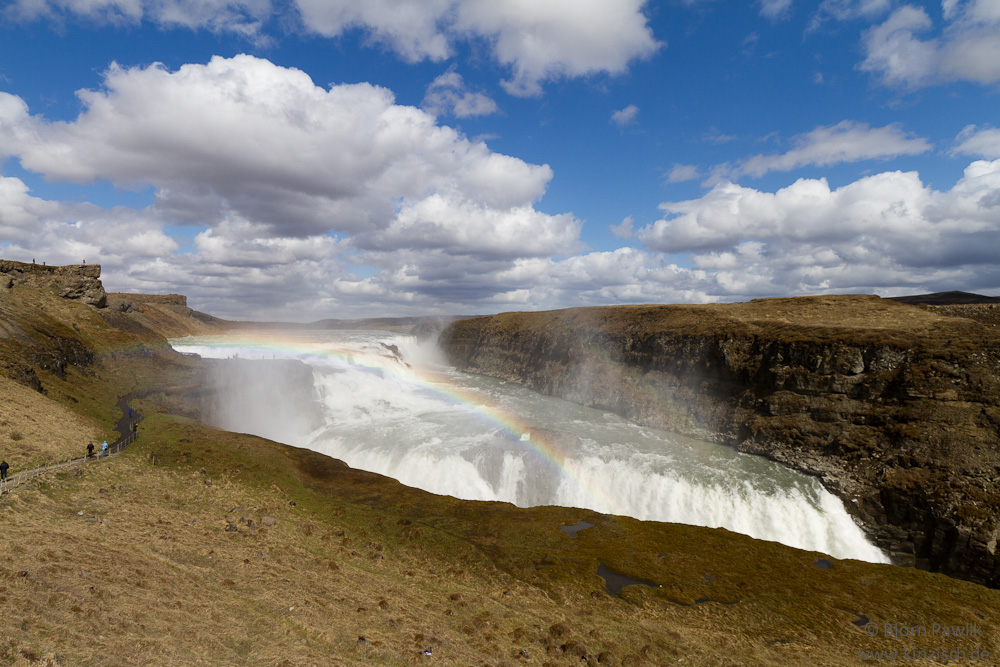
301 159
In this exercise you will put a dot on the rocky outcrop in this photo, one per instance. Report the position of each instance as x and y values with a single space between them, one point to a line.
166 314
43 337
895 408
130 300
78 282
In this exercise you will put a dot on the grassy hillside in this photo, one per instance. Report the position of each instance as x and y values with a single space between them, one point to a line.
198 546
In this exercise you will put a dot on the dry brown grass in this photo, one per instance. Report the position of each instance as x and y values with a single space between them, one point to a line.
36 430
129 560
129 563
850 317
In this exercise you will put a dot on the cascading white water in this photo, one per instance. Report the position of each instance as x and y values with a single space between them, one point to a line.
388 405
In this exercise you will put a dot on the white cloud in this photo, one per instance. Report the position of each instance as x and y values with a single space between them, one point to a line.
625 117
848 10
447 94
775 9
981 142
623 230
887 231
238 243
20 213
244 137
847 141
69 233
683 172
291 191
110 11
968 48
240 16
538 41
461 227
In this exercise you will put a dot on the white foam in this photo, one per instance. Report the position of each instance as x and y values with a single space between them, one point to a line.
380 417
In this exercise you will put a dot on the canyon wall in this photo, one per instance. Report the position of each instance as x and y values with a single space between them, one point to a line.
895 408
77 282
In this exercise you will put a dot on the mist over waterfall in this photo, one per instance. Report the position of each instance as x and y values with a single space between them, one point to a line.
385 403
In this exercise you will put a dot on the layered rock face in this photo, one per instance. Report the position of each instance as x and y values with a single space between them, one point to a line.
78 282
895 408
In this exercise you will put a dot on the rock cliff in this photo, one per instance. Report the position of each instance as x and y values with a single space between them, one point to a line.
894 407
166 314
78 282
58 319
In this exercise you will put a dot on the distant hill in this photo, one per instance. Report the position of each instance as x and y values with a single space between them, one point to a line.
953 298
418 325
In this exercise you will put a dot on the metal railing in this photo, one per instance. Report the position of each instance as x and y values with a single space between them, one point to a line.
18 479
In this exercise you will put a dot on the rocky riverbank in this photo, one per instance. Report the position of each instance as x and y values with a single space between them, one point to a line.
893 406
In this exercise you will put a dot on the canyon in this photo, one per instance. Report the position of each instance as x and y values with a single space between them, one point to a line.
893 406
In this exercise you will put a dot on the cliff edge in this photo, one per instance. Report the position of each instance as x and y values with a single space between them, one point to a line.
56 320
896 408
77 282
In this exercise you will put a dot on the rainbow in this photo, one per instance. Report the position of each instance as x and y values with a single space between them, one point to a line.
270 344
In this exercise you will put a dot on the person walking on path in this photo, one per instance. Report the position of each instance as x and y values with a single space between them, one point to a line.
104 449
90 450
3 471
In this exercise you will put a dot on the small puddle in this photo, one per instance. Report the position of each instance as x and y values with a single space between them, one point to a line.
615 582
576 528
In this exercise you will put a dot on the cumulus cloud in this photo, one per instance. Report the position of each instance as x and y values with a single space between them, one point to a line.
978 141
885 233
447 95
967 49
245 137
538 41
279 182
886 230
624 229
461 227
625 117
69 233
847 141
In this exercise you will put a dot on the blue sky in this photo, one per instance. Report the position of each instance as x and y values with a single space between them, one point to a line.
303 159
